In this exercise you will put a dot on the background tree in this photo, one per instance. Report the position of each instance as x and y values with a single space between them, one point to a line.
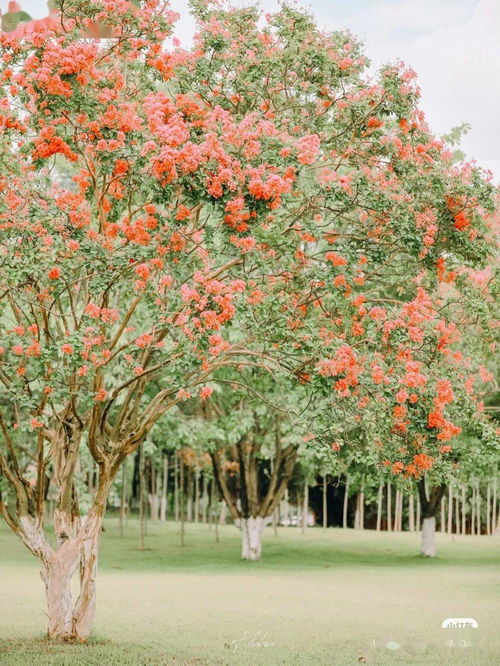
253 442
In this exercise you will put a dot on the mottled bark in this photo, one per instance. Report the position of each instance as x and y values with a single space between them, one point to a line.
77 551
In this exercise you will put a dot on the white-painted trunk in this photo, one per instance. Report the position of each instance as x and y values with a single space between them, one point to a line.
251 535
429 537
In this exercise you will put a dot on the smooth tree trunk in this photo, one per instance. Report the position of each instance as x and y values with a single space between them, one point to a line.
213 518
210 508
251 537
217 522
142 518
153 497
357 512
428 548
325 517
389 507
287 519
123 497
197 495
346 503
488 508
494 502
398 510
450 509
176 487
275 522
164 490
361 525
275 516
473 529
411 513
464 512
204 498
182 500
305 508
154 507
478 522
222 516
189 491
379 506
473 511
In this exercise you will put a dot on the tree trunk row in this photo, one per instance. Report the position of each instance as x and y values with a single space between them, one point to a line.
153 490
462 510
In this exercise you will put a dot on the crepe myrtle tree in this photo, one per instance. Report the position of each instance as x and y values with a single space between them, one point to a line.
241 202
406 406
463 383
421 374
421 461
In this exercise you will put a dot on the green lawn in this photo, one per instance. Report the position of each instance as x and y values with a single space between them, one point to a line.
330 597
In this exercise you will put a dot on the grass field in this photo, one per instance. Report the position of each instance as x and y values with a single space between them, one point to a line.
332 597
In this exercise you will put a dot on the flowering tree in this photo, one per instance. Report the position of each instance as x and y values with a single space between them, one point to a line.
422 386
250 202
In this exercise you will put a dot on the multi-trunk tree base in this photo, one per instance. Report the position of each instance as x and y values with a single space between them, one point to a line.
68 620
75 554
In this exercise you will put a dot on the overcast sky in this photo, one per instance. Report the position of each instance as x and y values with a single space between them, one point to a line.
453 45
